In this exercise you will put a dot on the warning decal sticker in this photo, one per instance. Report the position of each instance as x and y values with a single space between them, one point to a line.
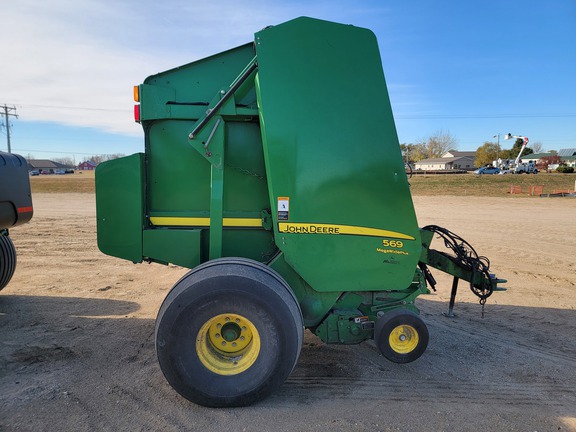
283 208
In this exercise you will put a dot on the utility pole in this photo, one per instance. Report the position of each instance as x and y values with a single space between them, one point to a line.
7 113
497 146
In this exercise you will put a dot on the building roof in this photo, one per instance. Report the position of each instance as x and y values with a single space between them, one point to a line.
35 164
91 163
536 155
567 152
456 153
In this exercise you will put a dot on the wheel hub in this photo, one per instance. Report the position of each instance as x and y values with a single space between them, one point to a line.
228 344
404 339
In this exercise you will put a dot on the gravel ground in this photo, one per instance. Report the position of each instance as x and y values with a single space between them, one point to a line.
77 346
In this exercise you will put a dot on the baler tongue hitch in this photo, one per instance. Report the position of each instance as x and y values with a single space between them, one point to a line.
465 264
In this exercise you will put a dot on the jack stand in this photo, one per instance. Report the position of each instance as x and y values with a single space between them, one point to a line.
450 313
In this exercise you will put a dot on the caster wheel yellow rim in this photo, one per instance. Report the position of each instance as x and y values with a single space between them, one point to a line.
403 339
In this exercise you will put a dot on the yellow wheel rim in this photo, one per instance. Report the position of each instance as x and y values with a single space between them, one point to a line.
404 339
228 344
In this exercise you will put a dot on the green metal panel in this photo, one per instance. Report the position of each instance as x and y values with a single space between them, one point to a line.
314 305
218 174
255 244
120 207
185 92
330 146
176 246
178 177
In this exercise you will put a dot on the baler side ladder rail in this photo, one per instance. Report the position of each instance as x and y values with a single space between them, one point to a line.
464 264
201 138
211 112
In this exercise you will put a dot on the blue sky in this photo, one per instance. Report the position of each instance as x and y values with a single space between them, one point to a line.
470 68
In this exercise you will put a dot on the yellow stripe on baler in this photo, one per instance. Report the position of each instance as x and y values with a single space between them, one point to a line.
205 222
315 228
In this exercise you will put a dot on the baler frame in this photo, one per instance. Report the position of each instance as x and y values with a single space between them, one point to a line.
290 196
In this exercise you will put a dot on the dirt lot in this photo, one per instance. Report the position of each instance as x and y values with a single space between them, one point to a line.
77 348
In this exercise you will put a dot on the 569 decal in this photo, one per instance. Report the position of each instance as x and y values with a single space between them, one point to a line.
393 243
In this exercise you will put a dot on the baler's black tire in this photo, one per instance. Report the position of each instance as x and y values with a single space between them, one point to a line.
401 336
7 260
229 333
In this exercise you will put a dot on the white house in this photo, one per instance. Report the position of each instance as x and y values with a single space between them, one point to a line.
451 160
455 153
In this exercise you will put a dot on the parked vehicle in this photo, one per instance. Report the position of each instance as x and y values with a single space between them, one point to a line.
516 166
526 168
487 170
15 208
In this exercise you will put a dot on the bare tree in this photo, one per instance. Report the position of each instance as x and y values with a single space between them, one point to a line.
537 147
97 159
65 161
413 152
439 143
114 156
433 147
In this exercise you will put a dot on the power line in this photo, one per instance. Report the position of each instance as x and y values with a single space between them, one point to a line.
7 113
401 116
68 107
51 151
479 116
62 152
